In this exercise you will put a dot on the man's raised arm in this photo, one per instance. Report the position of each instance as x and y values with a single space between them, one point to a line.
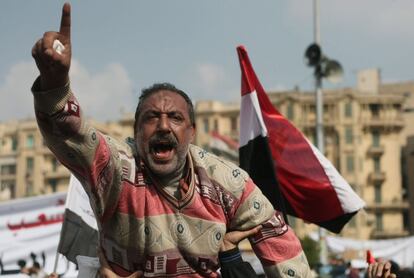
82 149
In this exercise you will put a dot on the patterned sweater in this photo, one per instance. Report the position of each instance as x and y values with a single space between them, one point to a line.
142 226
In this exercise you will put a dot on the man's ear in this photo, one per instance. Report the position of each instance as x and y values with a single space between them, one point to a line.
193 132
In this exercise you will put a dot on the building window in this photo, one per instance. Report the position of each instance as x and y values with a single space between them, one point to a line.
350 163
375 109
8 169
215 125
348 109
55 164
10 186
375 139
206 126
29 165
53 185
378 222
233 123
377 165
378 197
30 141
15 143
290 112
349 136
29 189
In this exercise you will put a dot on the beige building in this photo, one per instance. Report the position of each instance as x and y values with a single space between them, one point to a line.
365 130
27 167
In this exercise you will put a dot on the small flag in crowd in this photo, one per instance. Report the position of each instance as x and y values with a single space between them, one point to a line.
370 257
79 234
290 171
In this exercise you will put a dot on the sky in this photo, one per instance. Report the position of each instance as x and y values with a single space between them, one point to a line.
120 47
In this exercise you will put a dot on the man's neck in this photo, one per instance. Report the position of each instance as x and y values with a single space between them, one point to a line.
172 179
170 182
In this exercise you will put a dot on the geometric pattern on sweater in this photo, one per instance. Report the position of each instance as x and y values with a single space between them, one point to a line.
142 228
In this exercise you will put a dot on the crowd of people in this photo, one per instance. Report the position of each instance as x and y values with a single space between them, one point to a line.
33 271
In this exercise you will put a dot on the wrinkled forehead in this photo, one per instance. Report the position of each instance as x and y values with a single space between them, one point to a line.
164 99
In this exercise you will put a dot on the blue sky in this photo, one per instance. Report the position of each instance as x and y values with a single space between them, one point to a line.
119 47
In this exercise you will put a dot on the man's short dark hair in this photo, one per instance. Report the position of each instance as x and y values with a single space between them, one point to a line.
146 92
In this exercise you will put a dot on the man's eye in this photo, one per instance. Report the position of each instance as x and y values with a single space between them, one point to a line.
150 117
176 117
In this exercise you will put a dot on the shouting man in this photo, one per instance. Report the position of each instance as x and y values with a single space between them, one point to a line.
162 204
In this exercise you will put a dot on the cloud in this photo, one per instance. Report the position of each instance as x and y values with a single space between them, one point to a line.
211 82
102 95
15 96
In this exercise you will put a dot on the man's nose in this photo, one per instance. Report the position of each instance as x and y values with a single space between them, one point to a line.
164 123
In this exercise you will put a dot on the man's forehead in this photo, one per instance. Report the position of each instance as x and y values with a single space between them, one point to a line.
162 96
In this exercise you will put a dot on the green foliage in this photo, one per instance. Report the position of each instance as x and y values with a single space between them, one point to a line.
311 249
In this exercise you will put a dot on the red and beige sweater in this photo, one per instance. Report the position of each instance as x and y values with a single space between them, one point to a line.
141 225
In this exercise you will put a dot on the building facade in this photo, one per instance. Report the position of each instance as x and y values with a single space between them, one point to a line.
27 167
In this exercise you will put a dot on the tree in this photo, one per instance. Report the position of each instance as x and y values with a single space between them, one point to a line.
311 249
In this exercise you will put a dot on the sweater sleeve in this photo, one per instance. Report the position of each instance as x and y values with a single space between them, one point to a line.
276 245
88 154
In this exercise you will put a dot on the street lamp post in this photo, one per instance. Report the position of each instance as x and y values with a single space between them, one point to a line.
332 71
323 255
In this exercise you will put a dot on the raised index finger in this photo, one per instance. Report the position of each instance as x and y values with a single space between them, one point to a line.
65 21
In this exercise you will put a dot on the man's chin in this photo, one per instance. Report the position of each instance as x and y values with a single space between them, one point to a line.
162 168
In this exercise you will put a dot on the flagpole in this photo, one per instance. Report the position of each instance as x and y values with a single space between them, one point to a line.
323 255
56 262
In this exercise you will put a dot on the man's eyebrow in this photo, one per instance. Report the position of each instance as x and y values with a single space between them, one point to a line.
157 112
175 112
148 111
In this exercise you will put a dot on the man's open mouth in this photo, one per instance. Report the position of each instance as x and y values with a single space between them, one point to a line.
162 151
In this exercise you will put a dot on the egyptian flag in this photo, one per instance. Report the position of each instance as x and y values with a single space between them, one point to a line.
289 170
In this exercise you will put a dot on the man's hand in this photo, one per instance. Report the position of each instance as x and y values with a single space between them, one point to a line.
380 270
54 67
231 239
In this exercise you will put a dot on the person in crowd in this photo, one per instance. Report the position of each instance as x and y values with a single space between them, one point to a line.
36 271
22 268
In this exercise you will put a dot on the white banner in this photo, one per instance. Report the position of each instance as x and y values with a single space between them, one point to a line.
400 250
30 228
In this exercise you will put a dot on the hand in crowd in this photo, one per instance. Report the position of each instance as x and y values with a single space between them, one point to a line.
232 239
380 270
54 66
